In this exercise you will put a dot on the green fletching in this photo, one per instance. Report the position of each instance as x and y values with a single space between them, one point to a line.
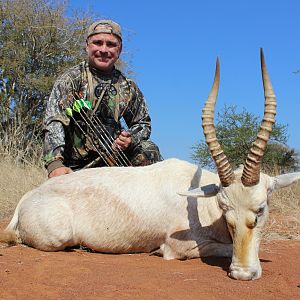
88 104
82 104
77 105
69 112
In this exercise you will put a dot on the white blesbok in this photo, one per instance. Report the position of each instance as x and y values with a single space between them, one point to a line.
172 208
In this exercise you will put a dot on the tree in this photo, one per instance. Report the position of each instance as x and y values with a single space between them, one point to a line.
37 42
237 131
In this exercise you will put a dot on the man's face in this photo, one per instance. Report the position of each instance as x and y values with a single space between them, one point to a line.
103 50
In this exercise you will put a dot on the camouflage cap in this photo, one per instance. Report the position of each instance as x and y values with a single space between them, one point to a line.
105 26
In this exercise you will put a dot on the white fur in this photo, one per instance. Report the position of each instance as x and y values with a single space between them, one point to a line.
138 209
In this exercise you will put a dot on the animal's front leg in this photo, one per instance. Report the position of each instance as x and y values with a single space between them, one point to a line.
216 249
176 249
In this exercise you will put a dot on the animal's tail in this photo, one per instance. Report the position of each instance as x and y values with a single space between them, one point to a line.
10 234
9 237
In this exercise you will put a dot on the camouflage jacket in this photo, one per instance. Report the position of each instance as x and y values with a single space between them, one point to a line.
63 144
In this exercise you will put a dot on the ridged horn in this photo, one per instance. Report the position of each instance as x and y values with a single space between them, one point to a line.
252 165
225 172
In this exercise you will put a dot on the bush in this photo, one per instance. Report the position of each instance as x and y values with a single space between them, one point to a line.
236 132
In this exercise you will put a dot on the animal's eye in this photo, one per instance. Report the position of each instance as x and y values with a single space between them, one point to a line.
223 206
260 211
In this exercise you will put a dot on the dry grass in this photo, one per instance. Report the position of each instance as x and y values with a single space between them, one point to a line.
284 222
15 181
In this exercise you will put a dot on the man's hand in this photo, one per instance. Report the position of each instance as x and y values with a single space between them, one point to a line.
123 141
60 171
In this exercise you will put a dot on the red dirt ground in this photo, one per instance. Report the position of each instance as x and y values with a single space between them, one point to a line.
26 273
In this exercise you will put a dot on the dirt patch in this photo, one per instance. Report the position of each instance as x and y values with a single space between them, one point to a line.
282 226
27 273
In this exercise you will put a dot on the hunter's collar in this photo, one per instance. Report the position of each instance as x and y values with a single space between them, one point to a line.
103 75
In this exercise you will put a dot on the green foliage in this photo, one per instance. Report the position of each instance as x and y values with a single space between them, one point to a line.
37 42
236 131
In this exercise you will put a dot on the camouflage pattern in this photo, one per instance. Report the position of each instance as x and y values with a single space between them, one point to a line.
66 145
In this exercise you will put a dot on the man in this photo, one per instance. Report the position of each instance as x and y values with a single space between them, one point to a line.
82 120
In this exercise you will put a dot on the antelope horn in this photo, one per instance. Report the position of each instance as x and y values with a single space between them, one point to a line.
225 172
251 170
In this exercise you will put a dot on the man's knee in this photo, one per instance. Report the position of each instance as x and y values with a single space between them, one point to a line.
146 153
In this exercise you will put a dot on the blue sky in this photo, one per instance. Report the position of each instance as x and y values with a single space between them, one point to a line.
173 46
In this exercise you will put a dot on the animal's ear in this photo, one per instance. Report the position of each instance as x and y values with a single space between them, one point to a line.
284 180
203 191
